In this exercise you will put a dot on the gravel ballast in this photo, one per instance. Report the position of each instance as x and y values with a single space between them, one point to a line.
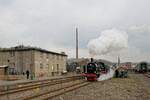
135 87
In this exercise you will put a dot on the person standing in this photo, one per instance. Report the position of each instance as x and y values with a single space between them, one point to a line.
27 72
117 73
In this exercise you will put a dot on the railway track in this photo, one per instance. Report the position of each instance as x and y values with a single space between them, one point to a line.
31 83
147 75
46 95
21 88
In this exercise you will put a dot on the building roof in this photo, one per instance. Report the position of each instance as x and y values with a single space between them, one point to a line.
3 66
27 48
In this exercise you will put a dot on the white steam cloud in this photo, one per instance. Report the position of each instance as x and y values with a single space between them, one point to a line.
107 76
112 40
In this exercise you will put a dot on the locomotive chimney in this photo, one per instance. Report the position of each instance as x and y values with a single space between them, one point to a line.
91 59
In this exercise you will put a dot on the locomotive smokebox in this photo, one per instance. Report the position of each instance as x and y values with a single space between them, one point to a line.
92 59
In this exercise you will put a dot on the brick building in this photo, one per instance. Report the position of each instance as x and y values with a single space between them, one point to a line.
39 62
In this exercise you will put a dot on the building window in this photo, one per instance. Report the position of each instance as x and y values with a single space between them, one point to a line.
57 67
47 59
57 57
53 67
50 56
41 66
47 66
61 57
47 56
41 55
53 56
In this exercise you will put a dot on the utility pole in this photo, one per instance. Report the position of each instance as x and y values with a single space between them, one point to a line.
76 43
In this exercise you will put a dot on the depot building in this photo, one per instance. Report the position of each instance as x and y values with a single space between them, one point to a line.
39 62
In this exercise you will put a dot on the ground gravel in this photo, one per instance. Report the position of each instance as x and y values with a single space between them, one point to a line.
135 87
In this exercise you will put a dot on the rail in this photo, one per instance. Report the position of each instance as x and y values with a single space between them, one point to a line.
56 92
147 75
37 84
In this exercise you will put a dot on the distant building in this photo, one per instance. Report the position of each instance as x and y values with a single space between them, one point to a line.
127 65
37 61
73 64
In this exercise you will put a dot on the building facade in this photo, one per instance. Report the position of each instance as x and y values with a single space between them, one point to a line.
127 65
37 61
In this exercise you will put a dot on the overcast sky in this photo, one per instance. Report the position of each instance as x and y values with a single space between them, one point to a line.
50 24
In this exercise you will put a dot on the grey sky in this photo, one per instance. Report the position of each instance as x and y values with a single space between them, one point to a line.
51 24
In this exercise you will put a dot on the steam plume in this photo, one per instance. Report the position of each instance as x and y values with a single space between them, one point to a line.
107 76
112 40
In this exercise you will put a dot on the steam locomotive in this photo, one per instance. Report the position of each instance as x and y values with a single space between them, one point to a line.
142 67
93 70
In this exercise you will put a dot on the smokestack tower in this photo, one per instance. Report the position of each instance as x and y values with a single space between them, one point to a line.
118 60
76 43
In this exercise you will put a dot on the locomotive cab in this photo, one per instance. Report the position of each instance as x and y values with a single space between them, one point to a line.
102 67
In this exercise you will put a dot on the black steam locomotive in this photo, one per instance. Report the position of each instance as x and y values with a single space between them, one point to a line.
142 67
94 69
